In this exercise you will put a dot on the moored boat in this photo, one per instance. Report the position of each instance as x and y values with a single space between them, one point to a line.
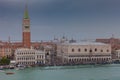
1 67
20 67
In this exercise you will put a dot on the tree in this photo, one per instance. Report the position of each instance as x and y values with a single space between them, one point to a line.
4 61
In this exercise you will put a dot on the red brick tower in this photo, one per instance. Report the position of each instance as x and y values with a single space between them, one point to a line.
26 30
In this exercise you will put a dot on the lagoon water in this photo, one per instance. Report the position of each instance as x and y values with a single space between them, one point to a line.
82 72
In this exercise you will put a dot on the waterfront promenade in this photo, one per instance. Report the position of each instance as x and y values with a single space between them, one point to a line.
82 72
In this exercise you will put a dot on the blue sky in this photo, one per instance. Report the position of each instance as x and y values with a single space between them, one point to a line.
78 19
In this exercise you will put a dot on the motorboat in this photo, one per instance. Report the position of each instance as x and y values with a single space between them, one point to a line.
11 67
20 67
9 73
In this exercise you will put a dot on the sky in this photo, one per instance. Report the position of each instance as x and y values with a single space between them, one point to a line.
78 19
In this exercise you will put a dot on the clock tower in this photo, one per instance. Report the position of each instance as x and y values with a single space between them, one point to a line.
26 30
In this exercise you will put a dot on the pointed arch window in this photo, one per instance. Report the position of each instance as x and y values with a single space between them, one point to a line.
73 50
79 50
101 50
90 50
95 49
85 50
107 50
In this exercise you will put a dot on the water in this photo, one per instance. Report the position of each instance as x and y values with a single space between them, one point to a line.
82 72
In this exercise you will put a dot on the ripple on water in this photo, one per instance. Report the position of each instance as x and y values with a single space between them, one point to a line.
82 72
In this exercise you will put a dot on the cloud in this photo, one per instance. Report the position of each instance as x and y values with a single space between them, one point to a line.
72 17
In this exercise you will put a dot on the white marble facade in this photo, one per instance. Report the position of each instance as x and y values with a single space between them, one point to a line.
84 52
26 56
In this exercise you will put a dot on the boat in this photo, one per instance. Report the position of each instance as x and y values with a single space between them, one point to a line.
1 67
20 67
9 73
2 71
11 66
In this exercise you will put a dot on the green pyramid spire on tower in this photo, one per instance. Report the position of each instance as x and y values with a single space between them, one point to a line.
26 16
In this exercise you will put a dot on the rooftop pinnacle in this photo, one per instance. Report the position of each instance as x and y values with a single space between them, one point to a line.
26 16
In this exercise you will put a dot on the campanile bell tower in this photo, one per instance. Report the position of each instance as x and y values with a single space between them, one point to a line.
26 29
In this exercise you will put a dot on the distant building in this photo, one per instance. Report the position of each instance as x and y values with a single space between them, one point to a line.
115 42
84 53
5 50
72 41
25 56
117 53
